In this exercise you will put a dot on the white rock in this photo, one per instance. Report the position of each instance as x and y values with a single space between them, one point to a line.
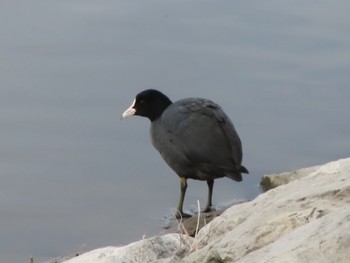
164 249
271 181
305 220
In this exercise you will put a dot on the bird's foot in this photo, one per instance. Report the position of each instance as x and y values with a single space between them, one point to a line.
180 215
208 209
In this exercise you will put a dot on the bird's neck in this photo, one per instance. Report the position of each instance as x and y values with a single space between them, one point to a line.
159 108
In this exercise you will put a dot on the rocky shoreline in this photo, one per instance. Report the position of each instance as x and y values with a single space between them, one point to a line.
303 216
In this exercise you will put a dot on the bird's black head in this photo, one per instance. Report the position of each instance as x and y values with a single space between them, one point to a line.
149 103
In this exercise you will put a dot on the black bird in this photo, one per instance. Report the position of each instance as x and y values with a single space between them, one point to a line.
195 138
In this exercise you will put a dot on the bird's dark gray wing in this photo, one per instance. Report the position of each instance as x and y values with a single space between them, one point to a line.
197 133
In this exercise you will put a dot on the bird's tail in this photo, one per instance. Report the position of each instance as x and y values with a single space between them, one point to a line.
244 170
237 176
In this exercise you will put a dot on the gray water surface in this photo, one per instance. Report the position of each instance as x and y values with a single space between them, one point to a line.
75 177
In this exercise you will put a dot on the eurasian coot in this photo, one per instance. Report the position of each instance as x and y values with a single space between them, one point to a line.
194 136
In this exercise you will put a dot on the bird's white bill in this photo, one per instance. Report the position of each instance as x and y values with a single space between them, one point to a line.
130 111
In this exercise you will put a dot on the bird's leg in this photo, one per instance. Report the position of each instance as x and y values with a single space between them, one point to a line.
183 185
209 205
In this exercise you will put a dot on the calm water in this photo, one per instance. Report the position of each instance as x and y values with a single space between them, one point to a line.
75 177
